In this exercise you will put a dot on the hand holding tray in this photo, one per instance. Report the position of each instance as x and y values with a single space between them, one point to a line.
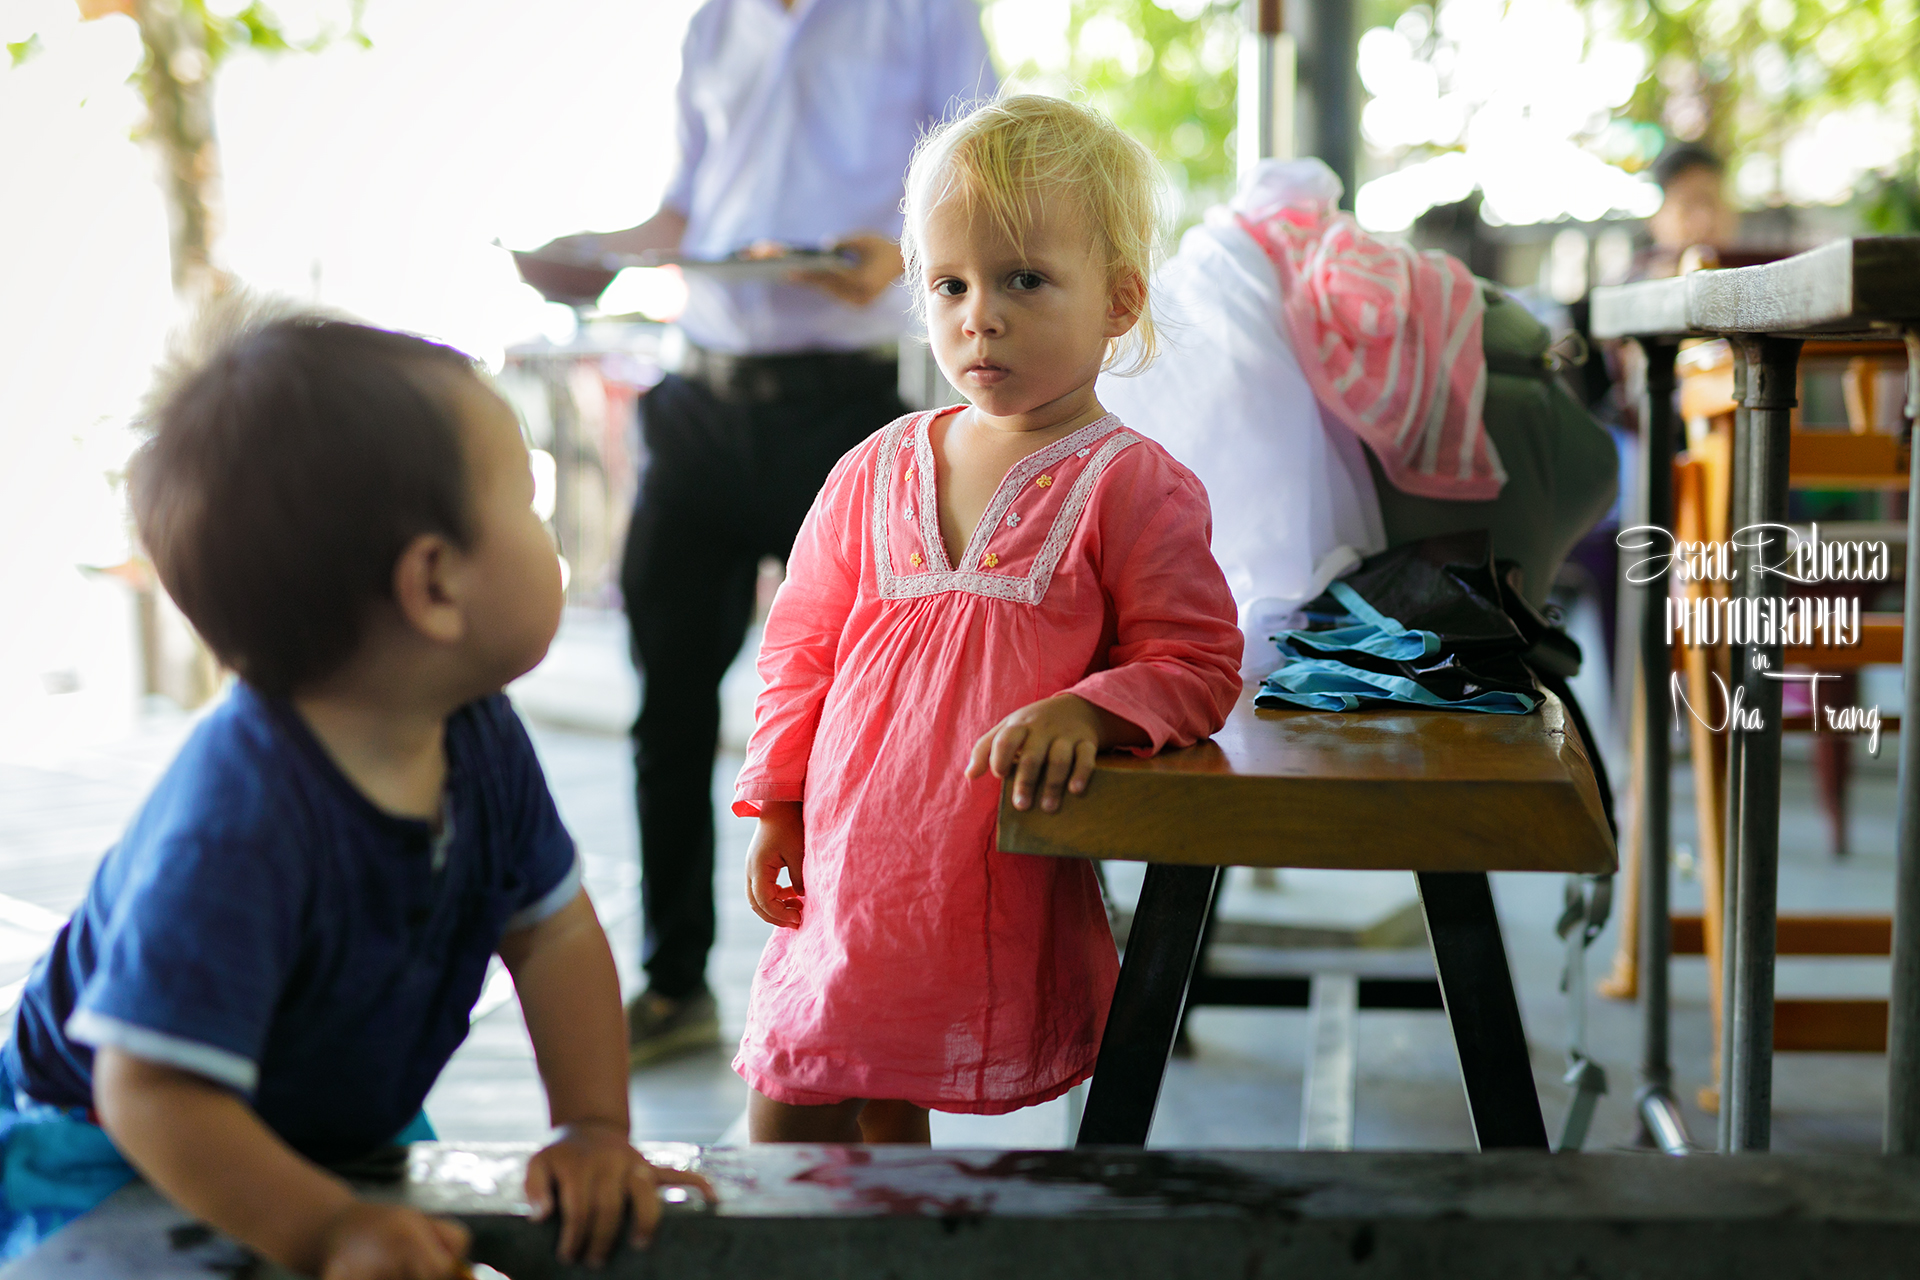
577 277
747 265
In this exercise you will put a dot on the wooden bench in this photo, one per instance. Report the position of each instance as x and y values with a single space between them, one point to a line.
1449 795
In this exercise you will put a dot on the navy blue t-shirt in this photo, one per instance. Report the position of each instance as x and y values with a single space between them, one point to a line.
264 925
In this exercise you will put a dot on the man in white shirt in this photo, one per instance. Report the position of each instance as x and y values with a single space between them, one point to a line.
796 122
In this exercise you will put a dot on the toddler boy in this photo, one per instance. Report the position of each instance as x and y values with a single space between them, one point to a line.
279 957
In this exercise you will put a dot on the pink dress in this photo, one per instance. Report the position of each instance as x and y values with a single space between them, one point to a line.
929 966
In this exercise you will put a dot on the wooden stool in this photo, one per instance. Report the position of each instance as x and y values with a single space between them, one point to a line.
1449 795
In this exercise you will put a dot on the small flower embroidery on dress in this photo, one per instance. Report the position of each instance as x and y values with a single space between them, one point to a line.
1084 452
1013 518
990 560
1044 481
915 558
908 513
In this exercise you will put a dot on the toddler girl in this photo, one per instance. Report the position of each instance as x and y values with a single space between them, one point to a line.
1004 587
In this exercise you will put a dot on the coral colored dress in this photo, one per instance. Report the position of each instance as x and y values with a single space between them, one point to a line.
929 966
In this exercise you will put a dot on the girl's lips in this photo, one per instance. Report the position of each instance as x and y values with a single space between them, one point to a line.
986 374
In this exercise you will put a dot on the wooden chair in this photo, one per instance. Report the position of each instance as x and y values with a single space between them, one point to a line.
1861 458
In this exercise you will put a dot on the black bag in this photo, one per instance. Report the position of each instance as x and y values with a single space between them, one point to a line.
1450 584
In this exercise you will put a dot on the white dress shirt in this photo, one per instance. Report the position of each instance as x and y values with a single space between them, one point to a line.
796 126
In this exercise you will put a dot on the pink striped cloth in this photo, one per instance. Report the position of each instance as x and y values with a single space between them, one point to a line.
1389 337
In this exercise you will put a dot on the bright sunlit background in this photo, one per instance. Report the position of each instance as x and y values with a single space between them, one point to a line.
369 179
1512 98
377 180
1528 100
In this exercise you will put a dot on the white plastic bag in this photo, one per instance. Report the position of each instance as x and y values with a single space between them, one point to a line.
1293 503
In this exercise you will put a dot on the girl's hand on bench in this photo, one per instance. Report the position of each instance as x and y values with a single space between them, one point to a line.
1049 744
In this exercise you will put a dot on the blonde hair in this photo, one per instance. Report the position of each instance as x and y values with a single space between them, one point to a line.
999 155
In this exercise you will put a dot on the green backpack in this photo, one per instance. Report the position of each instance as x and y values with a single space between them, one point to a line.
1562 469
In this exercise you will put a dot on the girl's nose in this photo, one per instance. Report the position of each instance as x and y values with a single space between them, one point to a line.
981 317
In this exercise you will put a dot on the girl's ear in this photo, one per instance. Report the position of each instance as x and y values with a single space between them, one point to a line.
426 589
1125 301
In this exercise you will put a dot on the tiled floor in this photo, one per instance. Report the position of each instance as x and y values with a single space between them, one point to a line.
63 799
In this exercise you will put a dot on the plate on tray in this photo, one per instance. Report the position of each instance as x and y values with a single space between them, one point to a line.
578 279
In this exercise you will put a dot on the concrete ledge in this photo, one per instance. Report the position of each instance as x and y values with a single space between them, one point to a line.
1111 1214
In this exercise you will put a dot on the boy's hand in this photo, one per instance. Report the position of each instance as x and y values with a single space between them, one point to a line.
386 1242
593 1173
1051 742
778 841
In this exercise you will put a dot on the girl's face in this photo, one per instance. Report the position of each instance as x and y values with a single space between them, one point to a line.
1019 329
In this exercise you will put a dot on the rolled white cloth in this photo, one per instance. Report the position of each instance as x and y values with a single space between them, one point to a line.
1293 503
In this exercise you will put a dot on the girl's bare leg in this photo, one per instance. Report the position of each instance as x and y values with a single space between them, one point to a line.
887 1120
854 1120
770 1121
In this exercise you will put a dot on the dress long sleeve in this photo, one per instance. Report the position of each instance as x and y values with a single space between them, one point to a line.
803 633
1175 662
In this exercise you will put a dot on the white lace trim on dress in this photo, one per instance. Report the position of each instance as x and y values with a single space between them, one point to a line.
940 576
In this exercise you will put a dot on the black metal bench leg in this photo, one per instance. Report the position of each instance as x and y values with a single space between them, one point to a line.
1477 986
1182 1046
1161 948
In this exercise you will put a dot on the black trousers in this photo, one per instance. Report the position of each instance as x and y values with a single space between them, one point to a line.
734 461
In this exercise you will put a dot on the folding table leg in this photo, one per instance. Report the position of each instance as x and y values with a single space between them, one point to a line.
1903 1027
1769 398
1477 986
1737 663
1161 948
1660 1119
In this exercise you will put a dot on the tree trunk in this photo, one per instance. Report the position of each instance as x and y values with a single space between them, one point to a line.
177 80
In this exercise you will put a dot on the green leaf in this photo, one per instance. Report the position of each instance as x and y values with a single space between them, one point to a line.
20 51
1175 88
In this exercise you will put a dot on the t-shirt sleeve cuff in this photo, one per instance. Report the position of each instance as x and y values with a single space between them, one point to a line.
222 1066
549 903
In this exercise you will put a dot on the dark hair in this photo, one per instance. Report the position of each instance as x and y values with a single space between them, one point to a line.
1683 157
283 479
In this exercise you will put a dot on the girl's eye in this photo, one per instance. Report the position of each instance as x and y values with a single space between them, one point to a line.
1026 280
949 288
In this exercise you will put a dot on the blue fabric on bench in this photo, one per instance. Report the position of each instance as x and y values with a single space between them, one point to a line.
55 1165
1313 674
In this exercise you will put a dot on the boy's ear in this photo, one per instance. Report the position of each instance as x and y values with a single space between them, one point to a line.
426 591
1125 301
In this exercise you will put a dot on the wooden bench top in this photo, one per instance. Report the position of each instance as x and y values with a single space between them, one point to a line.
1371 790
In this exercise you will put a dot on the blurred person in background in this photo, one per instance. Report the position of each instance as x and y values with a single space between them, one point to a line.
1693 216
796 119
1694 222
